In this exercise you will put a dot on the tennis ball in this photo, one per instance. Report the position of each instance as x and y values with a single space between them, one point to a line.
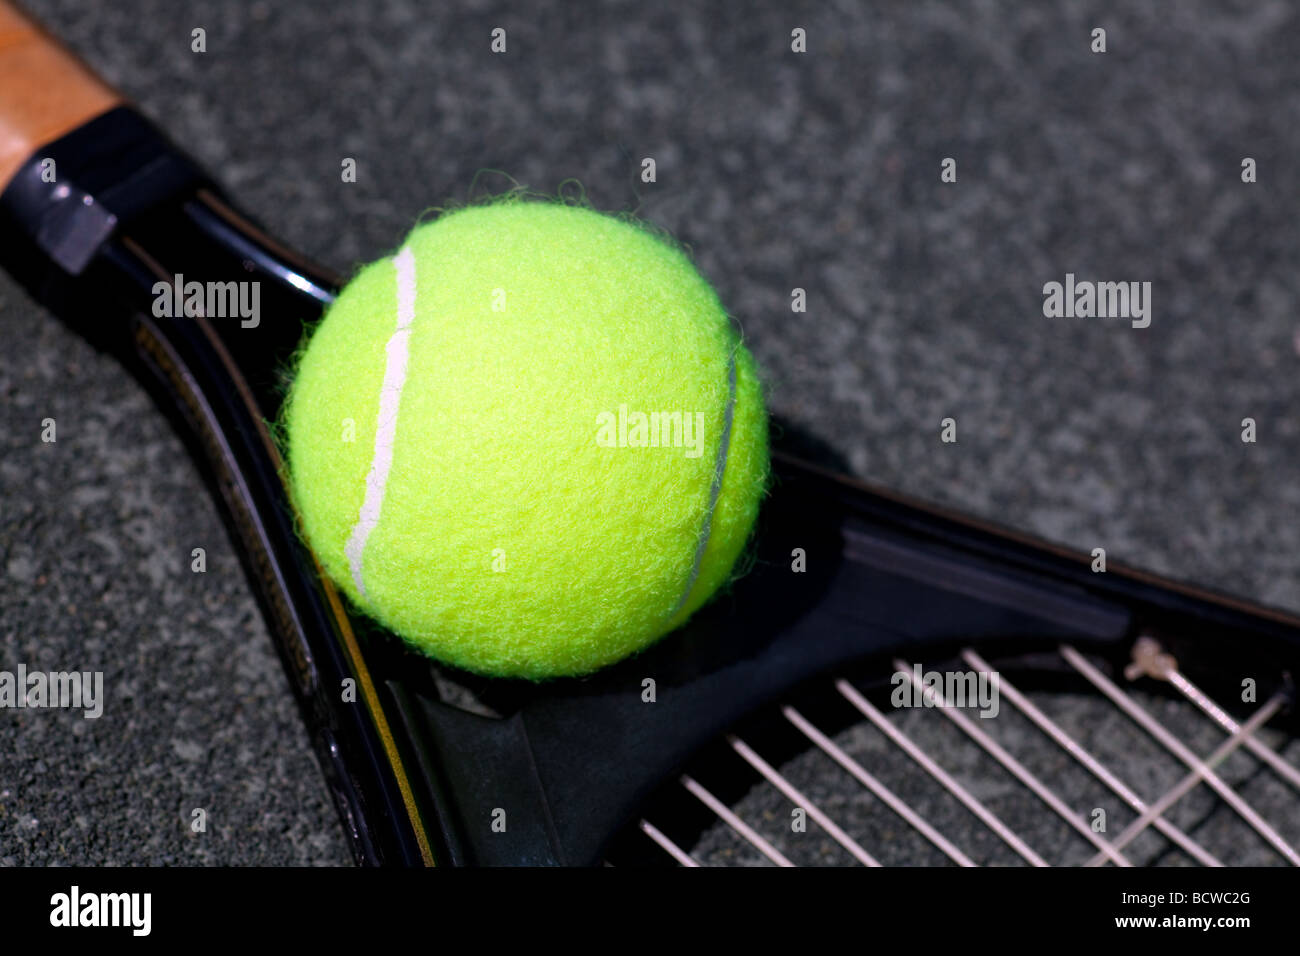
530 443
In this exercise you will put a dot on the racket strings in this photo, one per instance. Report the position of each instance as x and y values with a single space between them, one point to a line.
1201 770
1093 765
1160 802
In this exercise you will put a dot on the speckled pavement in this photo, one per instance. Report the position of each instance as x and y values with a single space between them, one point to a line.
818 171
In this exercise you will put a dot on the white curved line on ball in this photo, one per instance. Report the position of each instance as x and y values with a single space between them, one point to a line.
390 398
720 467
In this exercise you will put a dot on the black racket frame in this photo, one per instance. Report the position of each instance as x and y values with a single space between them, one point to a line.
566 764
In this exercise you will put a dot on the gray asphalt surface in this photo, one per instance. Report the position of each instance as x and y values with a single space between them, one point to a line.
819 171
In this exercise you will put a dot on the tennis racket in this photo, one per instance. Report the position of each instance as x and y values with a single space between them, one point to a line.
833 708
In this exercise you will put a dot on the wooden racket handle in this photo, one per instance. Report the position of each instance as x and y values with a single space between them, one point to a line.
45 91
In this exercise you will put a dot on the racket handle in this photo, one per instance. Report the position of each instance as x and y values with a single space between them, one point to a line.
45 91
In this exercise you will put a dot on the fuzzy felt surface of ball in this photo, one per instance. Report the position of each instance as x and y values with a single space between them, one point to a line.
530 442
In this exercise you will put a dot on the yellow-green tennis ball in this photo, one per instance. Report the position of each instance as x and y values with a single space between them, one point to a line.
530 442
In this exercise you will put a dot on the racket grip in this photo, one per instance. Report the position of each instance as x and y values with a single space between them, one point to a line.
45 91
